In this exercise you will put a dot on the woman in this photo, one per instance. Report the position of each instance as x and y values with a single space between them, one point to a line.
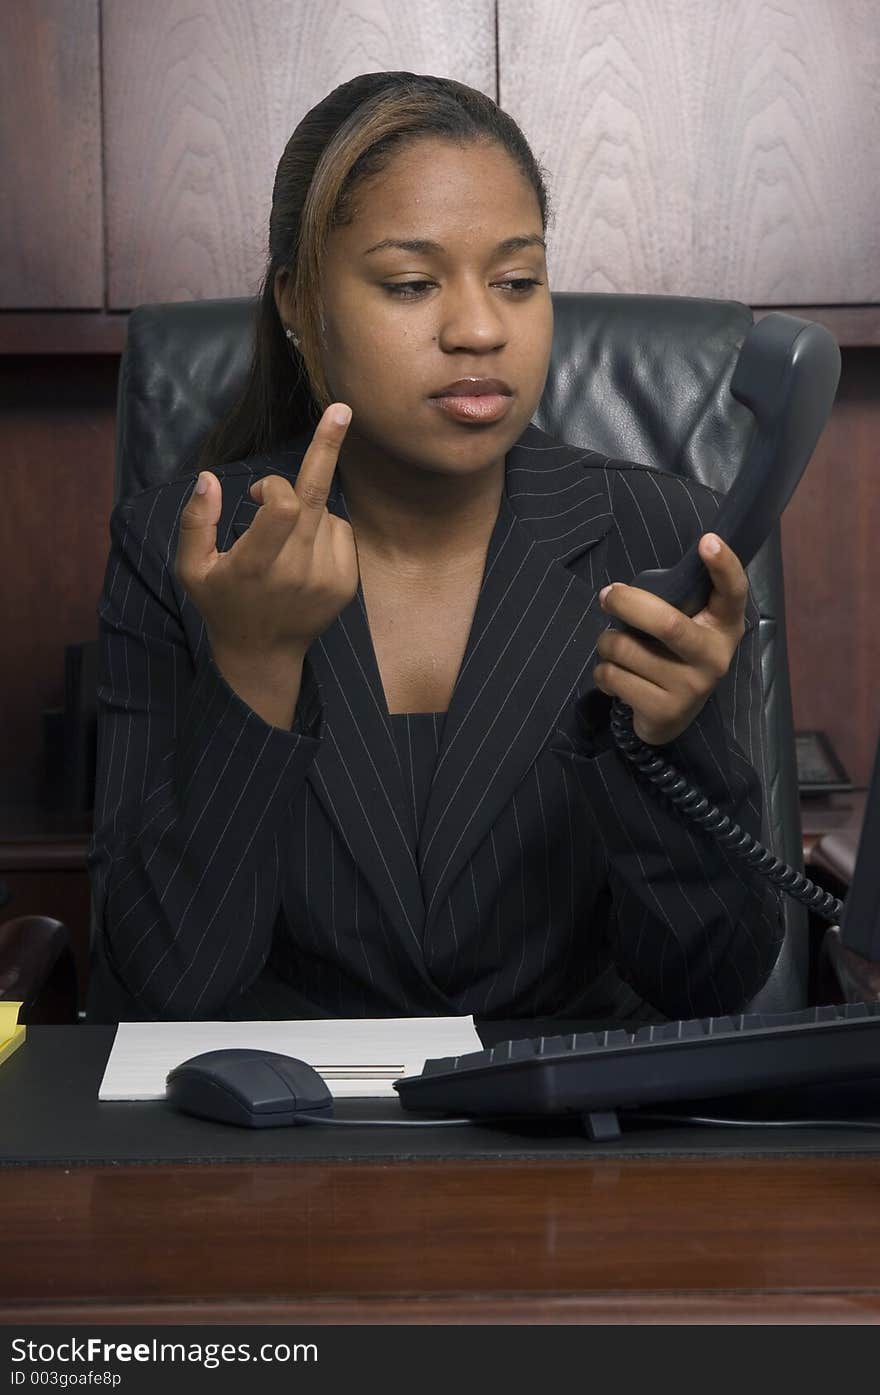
352 752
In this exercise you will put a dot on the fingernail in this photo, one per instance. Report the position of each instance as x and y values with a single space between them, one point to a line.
201 484
604 592
713 545
340 416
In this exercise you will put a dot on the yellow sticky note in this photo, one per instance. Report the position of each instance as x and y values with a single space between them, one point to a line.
12 1032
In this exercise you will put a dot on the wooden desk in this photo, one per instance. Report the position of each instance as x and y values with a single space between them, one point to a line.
487 1238
766 1240
784 1239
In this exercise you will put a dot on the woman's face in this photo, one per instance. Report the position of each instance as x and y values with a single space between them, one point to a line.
390 346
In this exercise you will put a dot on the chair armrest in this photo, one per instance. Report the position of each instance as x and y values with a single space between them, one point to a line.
37 968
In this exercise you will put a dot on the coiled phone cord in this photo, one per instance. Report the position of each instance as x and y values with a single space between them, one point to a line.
707 815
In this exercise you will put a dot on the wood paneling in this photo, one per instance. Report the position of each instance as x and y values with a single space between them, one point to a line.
830 555
700 149
57 421
201 97
51 231
48 332
692 149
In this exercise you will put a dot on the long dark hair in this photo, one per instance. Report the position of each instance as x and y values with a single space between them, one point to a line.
347 138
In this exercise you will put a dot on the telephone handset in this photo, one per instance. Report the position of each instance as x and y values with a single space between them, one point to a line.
787 375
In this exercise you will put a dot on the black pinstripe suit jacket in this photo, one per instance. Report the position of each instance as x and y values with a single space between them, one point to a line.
242 870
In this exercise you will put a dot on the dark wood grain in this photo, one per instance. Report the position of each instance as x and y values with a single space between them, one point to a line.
55 855
201 99
597 1240
765 182
704 150
483 1309
44 332
51 232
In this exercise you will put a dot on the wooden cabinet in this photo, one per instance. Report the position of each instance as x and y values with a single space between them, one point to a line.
708 150
210 95
721 150
51 232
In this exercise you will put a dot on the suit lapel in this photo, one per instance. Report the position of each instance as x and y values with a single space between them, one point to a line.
529 651
356 773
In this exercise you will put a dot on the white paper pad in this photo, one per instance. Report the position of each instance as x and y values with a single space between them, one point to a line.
356 1056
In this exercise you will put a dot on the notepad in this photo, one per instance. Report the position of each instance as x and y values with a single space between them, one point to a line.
356 1056
12 1032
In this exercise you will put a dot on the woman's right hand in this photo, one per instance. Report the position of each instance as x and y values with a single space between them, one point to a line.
287 578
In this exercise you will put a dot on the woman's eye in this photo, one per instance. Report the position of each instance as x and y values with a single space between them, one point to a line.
411 290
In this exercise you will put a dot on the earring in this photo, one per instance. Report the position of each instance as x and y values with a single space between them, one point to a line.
292 337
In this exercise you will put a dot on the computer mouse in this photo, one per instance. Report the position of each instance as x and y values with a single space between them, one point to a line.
247 1086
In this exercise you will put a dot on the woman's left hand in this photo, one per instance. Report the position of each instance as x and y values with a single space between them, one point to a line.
667 679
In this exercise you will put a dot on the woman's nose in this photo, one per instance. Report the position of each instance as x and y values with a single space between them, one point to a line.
470 319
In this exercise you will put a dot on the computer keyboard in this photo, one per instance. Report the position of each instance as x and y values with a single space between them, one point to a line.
595 1074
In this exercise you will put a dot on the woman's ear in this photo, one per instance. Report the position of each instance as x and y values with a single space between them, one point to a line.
283 298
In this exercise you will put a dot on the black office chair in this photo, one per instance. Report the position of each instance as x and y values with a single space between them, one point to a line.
639 377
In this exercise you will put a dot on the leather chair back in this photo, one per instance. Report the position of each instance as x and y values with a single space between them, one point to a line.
638 377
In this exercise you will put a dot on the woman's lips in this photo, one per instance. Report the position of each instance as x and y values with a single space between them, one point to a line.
490 407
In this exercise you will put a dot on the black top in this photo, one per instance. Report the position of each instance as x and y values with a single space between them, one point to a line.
417 737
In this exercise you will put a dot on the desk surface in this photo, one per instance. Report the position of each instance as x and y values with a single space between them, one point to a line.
720 1238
